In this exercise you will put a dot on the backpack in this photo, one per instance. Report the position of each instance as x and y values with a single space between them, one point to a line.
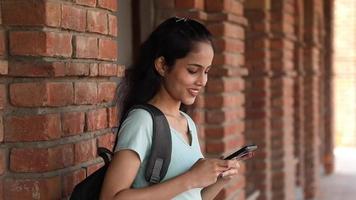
157 165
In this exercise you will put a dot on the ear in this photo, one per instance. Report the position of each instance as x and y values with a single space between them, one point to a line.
160 65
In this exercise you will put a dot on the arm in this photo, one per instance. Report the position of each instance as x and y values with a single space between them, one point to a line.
211 191
121 174
124 168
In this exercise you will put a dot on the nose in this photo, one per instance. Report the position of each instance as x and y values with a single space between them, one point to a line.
202 79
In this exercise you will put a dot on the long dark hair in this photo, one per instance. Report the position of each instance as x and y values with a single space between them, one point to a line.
172 39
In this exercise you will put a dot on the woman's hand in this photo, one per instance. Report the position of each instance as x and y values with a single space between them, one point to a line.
234 167
206 171
231 172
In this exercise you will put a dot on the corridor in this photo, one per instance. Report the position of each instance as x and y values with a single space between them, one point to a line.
341 185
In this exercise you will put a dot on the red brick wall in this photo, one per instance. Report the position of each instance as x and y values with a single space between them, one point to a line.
57 93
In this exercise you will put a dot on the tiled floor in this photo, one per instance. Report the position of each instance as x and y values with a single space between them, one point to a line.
342 184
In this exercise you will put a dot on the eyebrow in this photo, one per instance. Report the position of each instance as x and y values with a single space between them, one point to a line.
197 65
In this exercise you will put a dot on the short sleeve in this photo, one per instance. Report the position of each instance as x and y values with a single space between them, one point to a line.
136 133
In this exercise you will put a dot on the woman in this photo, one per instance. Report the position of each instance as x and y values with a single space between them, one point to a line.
172 69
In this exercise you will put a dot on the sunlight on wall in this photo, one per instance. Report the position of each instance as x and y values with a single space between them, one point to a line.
344 70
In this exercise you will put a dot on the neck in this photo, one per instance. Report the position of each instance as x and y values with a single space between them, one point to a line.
166 103
173 115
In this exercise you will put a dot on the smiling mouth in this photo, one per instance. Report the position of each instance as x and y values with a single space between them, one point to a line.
193 92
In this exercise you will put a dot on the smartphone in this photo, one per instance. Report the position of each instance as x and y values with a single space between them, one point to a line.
242 152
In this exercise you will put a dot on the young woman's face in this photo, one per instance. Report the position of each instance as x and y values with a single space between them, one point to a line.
189 74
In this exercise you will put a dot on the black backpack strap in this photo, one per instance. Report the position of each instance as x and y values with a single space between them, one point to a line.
106 154
160 156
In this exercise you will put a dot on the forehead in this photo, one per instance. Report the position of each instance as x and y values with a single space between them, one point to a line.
201 54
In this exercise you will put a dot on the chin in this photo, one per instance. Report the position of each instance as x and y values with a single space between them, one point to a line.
188 102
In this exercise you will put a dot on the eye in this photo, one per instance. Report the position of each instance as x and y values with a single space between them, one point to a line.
192 71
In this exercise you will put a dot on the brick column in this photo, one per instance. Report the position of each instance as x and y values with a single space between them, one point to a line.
329 91
282 67
312 68
3 100
224 98
299 105
258 97
59 92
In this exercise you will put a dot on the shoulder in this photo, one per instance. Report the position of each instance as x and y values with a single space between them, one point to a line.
137 124
137 119
139 114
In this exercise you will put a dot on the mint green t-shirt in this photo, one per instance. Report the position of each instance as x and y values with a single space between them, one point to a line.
136 134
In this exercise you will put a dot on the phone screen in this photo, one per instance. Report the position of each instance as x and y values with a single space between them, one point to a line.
242 152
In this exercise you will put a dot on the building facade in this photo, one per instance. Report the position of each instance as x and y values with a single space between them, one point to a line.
270 84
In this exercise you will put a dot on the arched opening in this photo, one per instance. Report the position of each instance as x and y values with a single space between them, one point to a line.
343 84
345 72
